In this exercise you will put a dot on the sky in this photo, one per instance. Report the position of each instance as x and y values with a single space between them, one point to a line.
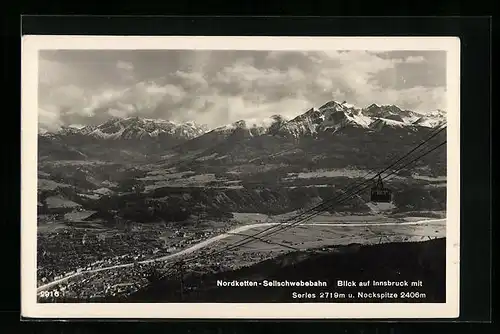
83 87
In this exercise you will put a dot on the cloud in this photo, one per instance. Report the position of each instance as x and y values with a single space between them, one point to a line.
342 76
419 98
266 84
126 66
144 98
361 61
126 70
104 100
67 96
356 78
221 87
49 119
58 104
52 72
74 107
414 60
229 109
192 78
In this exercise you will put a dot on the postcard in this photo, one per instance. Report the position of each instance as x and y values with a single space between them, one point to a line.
240 177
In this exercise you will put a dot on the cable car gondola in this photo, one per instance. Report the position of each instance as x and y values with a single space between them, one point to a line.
380 194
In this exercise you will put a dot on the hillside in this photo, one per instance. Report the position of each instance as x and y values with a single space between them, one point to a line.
117 139
424 261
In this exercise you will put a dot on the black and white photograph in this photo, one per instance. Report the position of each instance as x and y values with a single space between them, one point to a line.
282 173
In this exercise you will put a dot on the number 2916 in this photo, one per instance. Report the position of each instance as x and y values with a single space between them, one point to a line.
50 294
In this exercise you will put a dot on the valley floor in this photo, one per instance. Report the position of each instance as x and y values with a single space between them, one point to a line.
124 271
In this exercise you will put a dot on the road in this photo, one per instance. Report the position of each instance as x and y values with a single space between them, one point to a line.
225 235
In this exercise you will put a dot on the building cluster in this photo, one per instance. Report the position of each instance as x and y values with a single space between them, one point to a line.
123 281
101 284
66 252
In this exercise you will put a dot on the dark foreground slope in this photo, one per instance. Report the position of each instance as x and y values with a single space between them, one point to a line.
424 261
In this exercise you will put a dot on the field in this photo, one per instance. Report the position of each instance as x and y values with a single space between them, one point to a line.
320 233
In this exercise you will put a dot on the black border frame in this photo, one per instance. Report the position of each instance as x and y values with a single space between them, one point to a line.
475 36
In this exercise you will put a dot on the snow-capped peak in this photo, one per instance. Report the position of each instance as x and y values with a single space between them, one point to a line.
137 128
337 106
244 128
330 117
231 127
379 123
334 116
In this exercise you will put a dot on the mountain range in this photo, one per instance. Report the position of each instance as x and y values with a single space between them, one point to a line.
139 137
133 128
330 116
279 167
